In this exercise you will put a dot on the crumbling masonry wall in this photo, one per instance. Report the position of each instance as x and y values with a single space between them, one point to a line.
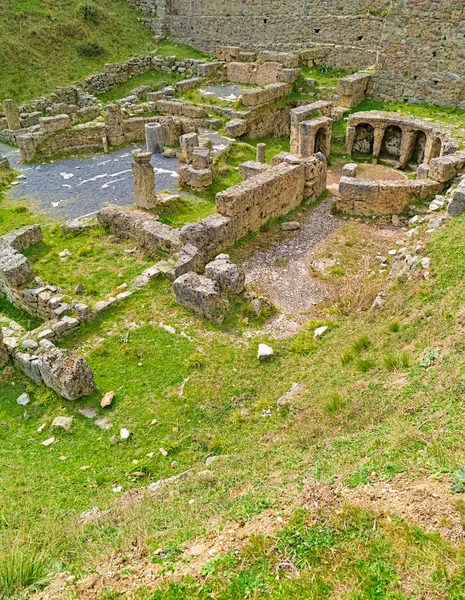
419 44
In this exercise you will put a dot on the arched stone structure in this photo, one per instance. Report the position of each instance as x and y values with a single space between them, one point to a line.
315 136
364 138
392 142
397 136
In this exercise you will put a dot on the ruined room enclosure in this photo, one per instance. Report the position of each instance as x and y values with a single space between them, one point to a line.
154 158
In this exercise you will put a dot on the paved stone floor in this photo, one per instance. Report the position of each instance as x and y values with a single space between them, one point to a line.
79 186
282 273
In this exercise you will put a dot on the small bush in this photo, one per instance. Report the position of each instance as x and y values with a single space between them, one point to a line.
302 346
89 49
337 271
89 12
394 327
363 343
346 358
364 365
195 361
335 404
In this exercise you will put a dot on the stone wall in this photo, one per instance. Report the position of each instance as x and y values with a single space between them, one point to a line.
250 204
365 197
419 43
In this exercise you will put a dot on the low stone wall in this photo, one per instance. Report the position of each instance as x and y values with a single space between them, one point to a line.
365 197
142 227
270 93
248 205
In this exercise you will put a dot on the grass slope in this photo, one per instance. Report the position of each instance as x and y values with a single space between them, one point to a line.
46 43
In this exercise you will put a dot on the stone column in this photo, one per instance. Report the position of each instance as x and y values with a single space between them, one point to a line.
378 136
144 180
422 172
188 142
406 147
12 114
114 125
261 153
350 139
154 138
306 139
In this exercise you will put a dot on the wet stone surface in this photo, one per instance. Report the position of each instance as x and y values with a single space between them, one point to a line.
80 186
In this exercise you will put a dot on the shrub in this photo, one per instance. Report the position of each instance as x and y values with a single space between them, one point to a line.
394 327
363 343
364 365
346 358
89 12
335 404
89 49
196 361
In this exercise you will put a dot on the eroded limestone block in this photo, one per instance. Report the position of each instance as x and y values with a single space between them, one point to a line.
201 158
230 277
286 59
12 114
52 124
251 168
66 373
457 205
201 294
445 168
197 179
188 142
190 259
236 127
15 269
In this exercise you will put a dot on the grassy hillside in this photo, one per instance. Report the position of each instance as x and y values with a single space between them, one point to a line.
46 43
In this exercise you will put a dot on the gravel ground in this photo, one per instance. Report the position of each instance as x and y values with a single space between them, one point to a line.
291 287
79 186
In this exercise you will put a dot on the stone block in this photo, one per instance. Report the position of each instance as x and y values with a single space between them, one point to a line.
66 373
190 259
236 128
270 93
289 75
187 84
200 294
445 168
238 72
266 73
201 158
251 169
197 179
188 142
229 276
457 204
12 114
52 124
286 59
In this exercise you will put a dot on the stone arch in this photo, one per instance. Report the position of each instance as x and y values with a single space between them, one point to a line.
364 137
417 156
392 142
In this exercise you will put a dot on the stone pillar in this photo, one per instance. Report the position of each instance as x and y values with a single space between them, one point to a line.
429 149
144 180
114 125
378 136
349 170
12 114
188 142
406 147
261 153
350 139
306 139
154 138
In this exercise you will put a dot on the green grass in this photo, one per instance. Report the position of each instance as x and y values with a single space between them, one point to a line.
325 76
48 38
